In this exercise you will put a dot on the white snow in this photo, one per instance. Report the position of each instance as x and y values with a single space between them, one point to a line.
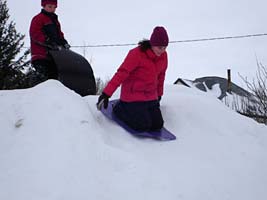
55 145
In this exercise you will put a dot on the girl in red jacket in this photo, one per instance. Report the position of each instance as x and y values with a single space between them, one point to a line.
45 34
141 77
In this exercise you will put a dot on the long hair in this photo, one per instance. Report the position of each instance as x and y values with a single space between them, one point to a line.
144 45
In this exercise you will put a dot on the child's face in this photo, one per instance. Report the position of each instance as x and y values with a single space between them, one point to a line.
50 8
158 50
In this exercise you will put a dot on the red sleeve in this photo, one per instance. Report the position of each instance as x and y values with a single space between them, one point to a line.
36 33
128 65
161 76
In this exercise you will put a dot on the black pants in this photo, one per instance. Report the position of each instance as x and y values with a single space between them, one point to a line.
140 116
45 69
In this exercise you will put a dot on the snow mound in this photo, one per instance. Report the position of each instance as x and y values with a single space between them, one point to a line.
54 145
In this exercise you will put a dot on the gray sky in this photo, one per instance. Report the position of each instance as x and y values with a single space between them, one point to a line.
118 21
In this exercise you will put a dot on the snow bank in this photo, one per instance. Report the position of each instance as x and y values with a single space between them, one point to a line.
54 145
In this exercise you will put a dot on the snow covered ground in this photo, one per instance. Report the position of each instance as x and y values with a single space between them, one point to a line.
55 145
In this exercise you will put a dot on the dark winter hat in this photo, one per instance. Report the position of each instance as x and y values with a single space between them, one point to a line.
44 2
159 37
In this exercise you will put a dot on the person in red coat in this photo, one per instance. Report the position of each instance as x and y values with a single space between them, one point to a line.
45 34
141 77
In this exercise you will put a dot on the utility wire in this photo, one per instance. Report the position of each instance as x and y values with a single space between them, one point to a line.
220 38
173 42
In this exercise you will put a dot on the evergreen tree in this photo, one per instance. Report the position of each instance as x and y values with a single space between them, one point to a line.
11 43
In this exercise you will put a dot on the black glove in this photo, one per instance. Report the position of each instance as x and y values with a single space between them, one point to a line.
54 47
102 100
64 43
66 46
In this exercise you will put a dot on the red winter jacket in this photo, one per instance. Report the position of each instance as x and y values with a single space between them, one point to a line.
141 76
39 36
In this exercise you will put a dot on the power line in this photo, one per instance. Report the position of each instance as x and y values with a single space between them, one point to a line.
180 41
173 42
220 38
106 45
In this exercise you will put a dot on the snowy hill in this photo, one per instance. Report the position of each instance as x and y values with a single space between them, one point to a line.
54 145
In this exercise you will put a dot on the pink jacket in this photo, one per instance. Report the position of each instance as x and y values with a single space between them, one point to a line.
141 76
